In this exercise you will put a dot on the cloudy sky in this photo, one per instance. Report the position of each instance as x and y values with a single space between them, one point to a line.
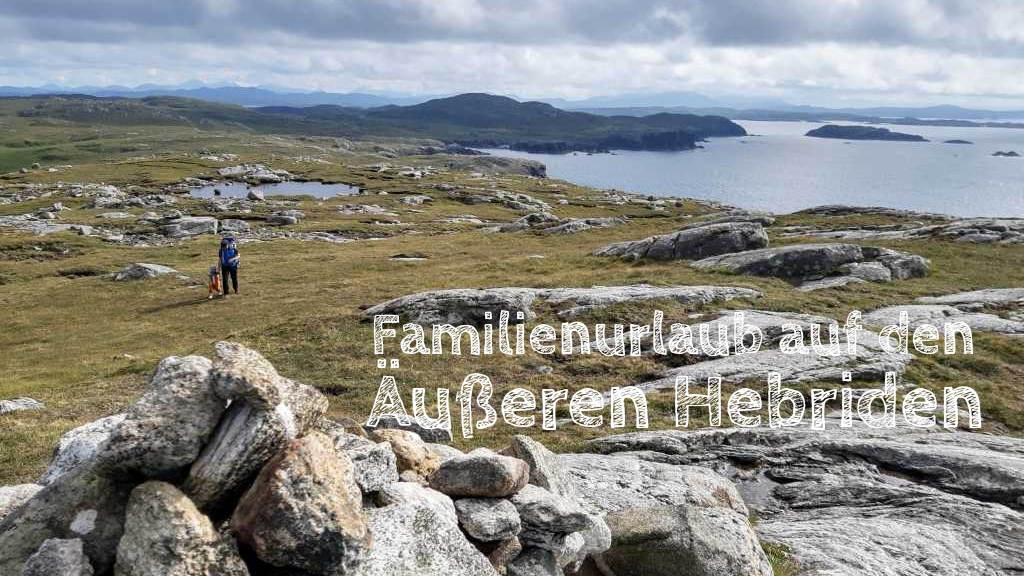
806 51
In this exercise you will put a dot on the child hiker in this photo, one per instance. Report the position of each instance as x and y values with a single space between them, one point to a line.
213 285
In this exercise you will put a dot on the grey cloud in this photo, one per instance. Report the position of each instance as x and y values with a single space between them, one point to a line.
951 24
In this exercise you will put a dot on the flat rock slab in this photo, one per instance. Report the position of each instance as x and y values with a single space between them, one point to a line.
971 230
815 261
868 361
19 405
471 306
938 314
995 297
942 503
143 270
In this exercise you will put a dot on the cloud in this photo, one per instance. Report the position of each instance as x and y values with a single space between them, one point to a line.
907 48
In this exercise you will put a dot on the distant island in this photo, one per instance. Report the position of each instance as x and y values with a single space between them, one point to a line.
862 133
955 141
1007 154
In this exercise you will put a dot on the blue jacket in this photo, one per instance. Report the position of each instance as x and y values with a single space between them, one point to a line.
226 255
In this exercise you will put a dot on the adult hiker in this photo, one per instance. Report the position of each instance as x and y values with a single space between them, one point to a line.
229 259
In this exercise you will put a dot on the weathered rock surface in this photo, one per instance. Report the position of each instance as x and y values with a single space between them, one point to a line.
254 173
165 430
470 306
867 271
488 519
411 453
12 497
692 243
246 438
57 557
907 501
828 282
545 469
20 405
938 314
240 373
535 562
810 261
165 535
80 504
534 220
481 473
304 510
436 435
608 483
375 463
411 492
970 230
497 165
542 511
867 361
143 270
413 539
233 225
795 261
995 297
79 445
188 226
460 306
574 225
573 301
658 541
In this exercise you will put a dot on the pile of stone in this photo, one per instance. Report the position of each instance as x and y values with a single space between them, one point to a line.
226 467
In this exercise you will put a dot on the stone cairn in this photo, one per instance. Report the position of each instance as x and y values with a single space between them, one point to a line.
227 468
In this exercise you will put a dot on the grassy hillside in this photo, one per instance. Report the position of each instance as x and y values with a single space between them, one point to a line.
84 345
470 119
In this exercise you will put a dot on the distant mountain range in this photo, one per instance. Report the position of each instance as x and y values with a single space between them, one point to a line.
473 120
240 95
633 104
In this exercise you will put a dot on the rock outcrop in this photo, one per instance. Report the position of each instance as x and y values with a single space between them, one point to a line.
810 262
20 405
692 243
868 360
471 306
938 314
188 226
141 271
942 502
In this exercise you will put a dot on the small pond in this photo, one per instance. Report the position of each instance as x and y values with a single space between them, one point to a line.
240 190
